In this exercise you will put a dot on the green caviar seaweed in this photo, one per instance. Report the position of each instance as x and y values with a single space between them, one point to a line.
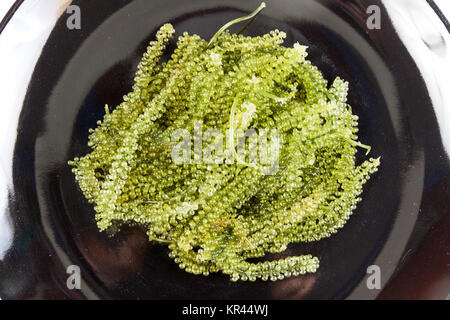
216 217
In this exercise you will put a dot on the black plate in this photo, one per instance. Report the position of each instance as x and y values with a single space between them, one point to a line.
79 71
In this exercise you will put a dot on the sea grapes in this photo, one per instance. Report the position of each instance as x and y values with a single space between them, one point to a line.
217 217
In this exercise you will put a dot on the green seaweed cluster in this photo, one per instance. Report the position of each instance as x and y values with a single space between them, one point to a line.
218 216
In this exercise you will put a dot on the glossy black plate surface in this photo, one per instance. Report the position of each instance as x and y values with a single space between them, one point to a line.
79 71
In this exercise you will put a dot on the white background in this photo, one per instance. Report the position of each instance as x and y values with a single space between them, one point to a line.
4 7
